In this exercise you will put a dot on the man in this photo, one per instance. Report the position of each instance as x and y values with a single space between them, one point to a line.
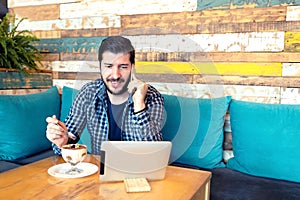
116 107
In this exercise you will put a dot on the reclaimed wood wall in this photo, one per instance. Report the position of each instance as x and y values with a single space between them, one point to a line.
248 49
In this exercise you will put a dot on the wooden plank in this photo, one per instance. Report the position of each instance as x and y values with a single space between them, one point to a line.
223 4
21 3
196 56
129 7
232 42
290 96
74 23
292 41
21 91
243 69
248 80
14 80
291 69
91 33
246 93
36 13
219 56
50 57
185 20
47 34
219 68
248 27
293 13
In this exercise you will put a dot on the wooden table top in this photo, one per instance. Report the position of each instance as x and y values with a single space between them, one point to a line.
33 182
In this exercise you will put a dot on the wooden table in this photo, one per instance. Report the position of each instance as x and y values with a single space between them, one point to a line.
33 182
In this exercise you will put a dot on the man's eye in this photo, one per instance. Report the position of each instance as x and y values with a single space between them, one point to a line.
124 66
108 66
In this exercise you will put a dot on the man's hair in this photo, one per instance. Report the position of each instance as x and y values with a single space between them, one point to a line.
116 44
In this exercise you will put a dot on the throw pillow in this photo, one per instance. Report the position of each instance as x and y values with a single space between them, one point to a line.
68 96
195 127
23 123
265 139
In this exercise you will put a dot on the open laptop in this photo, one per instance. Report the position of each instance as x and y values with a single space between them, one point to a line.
134 159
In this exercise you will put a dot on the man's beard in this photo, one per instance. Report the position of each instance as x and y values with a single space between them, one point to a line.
122 91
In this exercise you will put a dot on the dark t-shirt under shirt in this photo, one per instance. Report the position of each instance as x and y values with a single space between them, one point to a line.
115 113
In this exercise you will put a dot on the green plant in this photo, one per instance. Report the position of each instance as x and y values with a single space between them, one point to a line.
16 47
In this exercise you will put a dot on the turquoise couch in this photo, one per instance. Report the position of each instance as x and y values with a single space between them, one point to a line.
265 140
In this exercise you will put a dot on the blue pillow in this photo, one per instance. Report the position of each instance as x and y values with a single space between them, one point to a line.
68 96
265 139
195 127
23 123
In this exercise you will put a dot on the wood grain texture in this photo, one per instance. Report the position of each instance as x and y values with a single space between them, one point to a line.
22 3
36 13
224 4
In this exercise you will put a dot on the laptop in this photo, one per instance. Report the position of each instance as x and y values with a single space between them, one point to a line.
134 159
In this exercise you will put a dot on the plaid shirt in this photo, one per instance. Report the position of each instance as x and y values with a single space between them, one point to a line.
90 108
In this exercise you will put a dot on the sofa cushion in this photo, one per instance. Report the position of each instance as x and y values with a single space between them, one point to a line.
6 165
227 184
68 96
265 139
195 127
23 123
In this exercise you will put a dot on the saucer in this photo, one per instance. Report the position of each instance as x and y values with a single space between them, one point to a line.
61 169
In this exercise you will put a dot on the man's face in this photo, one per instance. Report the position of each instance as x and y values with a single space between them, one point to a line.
115 72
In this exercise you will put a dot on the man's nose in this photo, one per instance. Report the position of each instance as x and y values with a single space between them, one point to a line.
115 72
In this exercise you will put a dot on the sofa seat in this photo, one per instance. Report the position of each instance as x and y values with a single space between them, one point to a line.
227 184
6 165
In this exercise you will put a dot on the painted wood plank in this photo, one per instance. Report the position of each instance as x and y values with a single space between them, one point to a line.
129 7
21 3
248 80
21 91
195 56
170 21
75 66
292 41
75 23
14 80
291 69
293 13
218 56
232 42
47 34
224 4
256 69
227 68
36 13
290 95
246 93
96 32
248 27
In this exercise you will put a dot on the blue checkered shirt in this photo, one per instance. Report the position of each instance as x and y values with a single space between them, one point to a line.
90 109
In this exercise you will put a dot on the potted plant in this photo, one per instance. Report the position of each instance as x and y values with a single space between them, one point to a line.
19 58
16 47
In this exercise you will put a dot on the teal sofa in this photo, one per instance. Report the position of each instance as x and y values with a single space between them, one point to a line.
265 140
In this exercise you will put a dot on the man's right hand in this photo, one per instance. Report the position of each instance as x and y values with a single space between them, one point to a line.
56 131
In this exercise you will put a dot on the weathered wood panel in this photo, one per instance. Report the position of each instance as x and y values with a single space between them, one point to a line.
47 34
242 69
20 3
21 91
293 13
226 4
75 23
129 7
290 96
219 56
190 20
291 69
232 42
292 41
35 13
192 79
15 80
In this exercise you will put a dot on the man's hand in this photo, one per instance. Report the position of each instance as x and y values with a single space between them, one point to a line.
56 131
139 90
